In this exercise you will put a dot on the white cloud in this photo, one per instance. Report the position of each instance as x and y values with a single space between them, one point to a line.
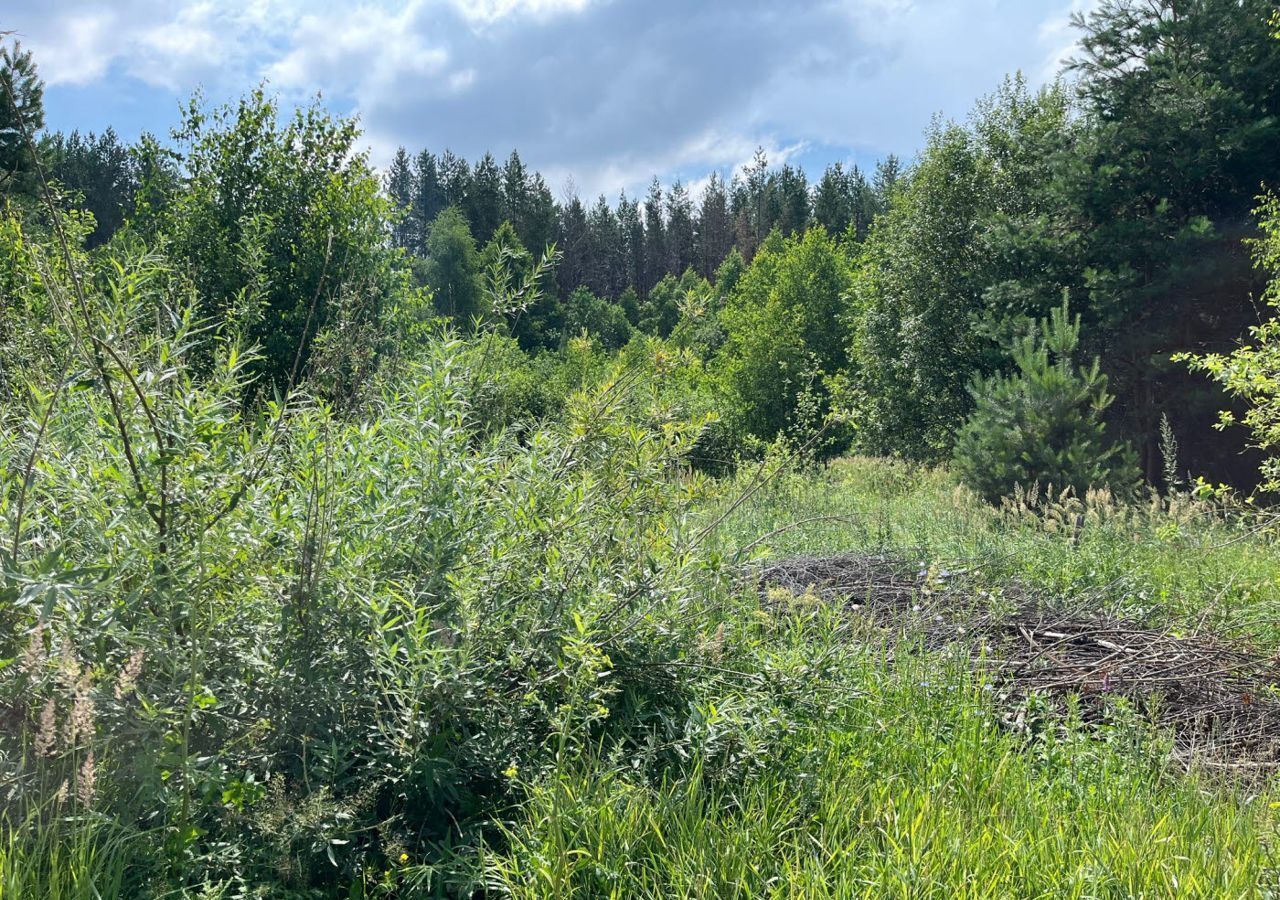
360 51
168 45
79 55
612 91
490 11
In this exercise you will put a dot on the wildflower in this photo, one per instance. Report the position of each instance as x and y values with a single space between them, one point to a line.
128 678
404 858
511 771
48 731
87 783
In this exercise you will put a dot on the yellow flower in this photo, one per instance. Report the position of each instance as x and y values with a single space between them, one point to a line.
404 857
511 771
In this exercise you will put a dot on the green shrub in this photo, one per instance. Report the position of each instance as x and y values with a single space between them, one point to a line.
1043 424
277 649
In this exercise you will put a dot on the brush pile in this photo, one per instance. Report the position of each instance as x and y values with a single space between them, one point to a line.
1220 703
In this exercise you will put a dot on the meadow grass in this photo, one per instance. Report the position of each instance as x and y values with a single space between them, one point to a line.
1180 562
911 788
913 783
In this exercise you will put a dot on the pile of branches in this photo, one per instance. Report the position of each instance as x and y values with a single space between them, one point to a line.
1220 703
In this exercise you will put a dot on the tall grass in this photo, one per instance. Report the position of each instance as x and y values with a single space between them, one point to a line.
62 860
908 787
1178 561
902 776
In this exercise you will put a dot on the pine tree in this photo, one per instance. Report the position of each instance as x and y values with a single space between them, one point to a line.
833 202
888 175
714 237
631 233
484 202
539 226
789 200
866 204
21 113
101 170
655 238
680 236
1042 424
400 188
516 200
572 243
758 205
603 275
428 197
455 180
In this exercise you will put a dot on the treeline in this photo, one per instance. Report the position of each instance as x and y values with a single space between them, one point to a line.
1126 189
633 243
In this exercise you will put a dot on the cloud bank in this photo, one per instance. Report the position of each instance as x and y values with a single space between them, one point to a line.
608 92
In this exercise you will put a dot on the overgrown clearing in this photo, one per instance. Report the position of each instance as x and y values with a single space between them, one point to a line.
413 534
973 741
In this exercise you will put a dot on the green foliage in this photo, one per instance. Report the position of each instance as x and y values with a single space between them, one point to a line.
282 227
585 313
278 648
660 311
1187 102
785 334
1252 372
1042 425
452 268
943 284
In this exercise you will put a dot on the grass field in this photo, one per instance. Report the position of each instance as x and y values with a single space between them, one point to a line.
903 782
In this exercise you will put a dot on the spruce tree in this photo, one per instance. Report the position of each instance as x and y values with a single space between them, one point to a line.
680 234
714 227
485 202
833 200
428 199
400 188
655 238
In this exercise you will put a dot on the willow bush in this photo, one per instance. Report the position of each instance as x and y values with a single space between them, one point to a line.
293 648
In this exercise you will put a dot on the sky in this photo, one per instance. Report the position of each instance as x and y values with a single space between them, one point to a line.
599 95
